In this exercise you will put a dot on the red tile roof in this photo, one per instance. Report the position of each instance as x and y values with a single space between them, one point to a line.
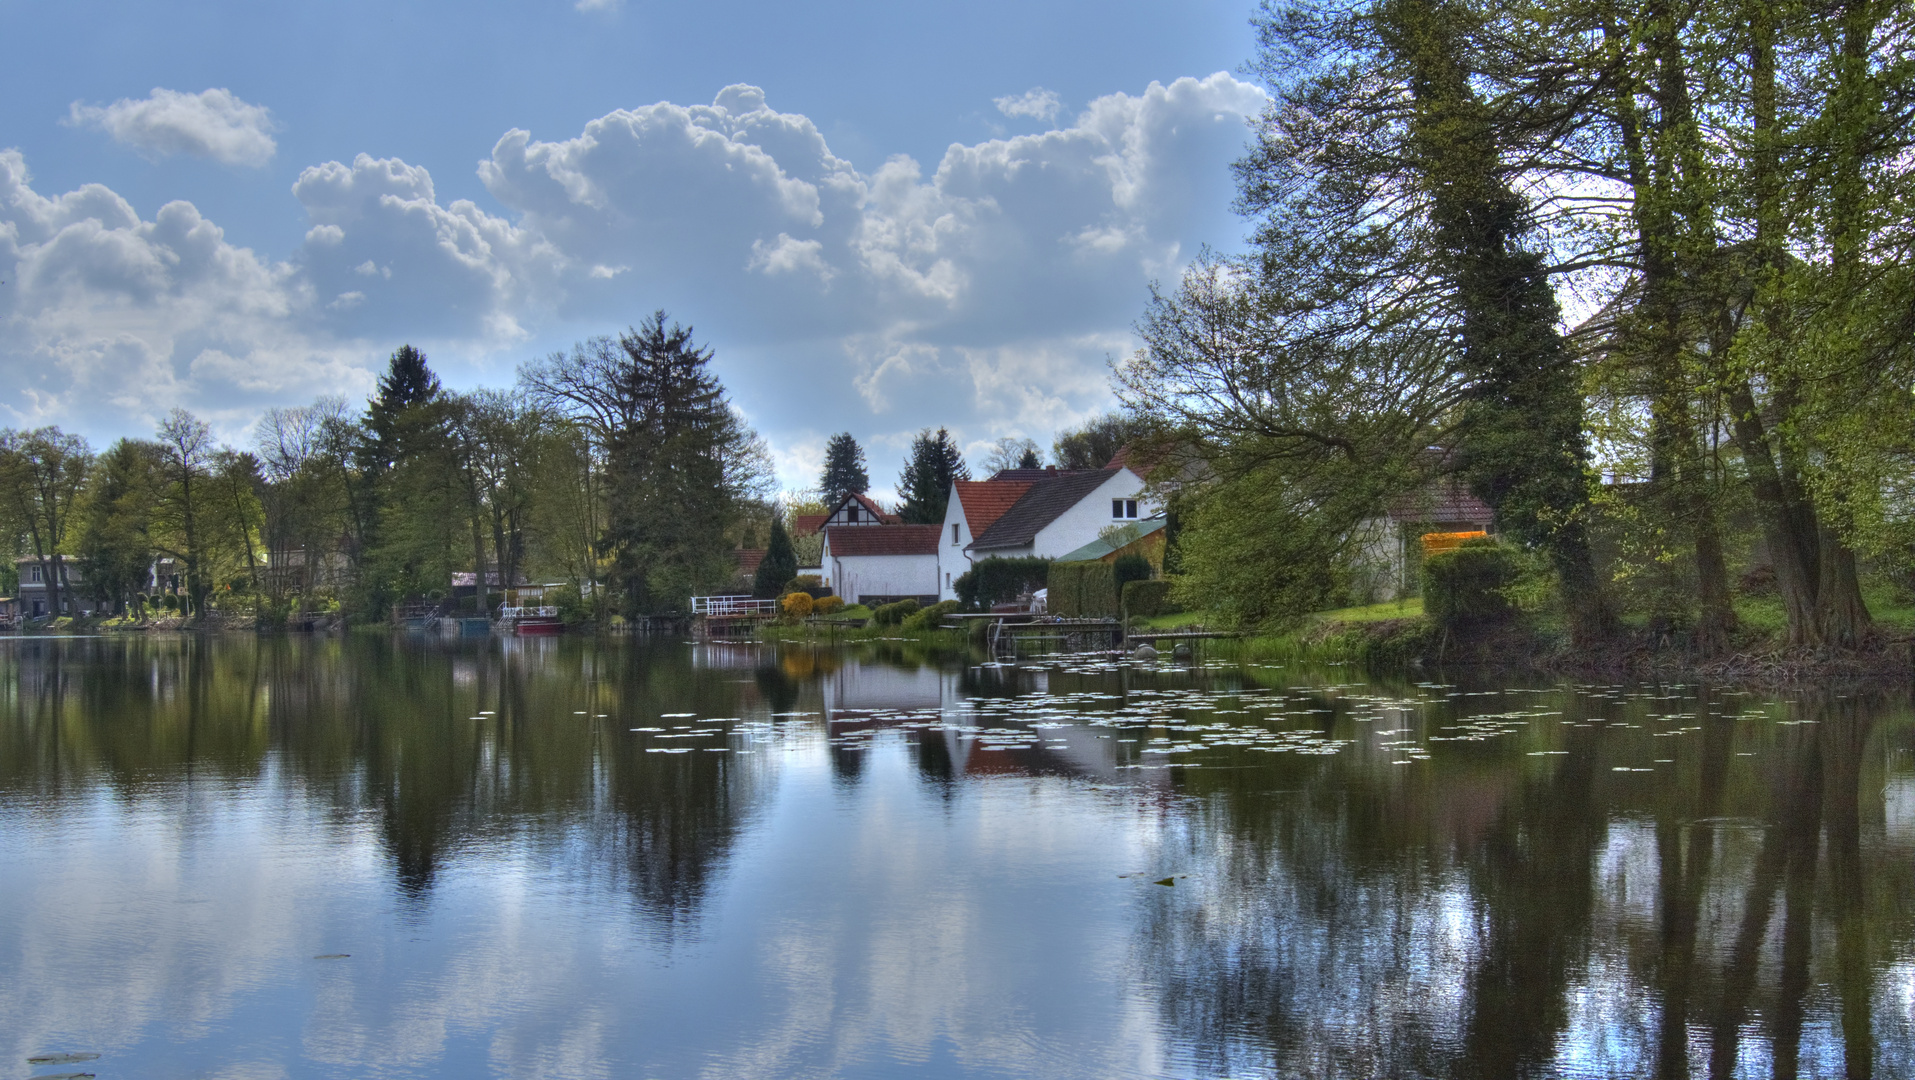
985 501
845 540
748 560
1442 502
807 524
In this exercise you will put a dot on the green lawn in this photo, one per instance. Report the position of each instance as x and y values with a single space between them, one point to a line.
1407 608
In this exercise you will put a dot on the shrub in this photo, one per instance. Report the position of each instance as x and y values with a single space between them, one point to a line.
997 580
827 605
929 618
1129 568
1463 588
1085 590
170 602
796 605
780 563
893 614
810 584
1147 598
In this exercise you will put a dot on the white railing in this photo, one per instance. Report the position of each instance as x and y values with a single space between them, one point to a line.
732 606
528 612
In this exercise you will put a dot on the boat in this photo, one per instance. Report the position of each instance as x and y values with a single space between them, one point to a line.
527 614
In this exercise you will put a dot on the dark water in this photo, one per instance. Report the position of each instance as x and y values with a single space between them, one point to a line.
871 864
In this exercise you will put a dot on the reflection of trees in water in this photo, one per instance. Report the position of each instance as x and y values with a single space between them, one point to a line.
1501 921
449 747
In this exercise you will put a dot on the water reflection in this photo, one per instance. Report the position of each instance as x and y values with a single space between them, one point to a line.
556 857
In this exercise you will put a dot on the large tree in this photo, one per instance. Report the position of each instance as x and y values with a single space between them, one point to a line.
933 466
679 462
779 565
42 474
1092 445
844 472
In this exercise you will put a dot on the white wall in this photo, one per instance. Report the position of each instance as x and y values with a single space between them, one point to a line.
1080 524
857 576
952 562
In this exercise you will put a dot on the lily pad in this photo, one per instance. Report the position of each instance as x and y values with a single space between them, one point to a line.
60 1058
332 956
1165 881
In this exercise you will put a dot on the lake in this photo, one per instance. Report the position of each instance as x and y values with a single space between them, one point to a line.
369 857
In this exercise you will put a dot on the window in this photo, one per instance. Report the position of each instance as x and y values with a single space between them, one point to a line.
1123 508
35 571
954 531
851 513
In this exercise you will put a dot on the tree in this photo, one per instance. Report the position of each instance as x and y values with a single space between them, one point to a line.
678 460
42 473
116 541
932 467
184 451
407 383
1011 453
779 565
844 472
1094 444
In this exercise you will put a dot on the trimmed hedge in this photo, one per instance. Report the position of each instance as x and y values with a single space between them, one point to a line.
893 614
928 618
1463 587
827 605
1083 590
1148 598
997 580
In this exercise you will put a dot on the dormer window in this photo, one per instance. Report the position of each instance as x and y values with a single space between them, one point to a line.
851 513
1123 509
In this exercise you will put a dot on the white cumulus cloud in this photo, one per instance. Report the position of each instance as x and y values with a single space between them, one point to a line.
1036 103
984 291
211 124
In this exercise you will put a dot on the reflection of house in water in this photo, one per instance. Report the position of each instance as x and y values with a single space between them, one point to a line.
872 697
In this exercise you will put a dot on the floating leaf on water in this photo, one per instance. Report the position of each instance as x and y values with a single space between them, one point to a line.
61 1058
61 1076
332 956
1165 881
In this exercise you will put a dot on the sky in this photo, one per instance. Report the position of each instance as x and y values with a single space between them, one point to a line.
880 216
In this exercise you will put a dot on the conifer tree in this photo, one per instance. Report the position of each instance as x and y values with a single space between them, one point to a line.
934 465
844 472
779 565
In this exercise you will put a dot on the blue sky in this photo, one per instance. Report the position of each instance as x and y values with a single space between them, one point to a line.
881 215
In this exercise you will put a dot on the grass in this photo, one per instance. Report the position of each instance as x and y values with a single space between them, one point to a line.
1407 608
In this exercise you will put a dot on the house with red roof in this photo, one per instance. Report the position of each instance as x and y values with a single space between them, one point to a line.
881 563
1048 513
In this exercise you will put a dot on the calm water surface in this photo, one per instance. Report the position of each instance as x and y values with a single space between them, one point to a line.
370 858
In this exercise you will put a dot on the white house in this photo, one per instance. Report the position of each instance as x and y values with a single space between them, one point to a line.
1049 515
877 565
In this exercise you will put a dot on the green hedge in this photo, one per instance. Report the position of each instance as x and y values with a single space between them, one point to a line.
1083 590
1148 598
997 580
893 614
1463 588
929 618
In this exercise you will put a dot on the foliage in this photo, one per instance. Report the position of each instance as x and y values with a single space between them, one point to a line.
999 580
1261 549
1085 590
844 472
780 564
806 583
1463 588
796 605
1147 599
1128 568
827 605
933 466
929 618
1093 445
679 464
894 613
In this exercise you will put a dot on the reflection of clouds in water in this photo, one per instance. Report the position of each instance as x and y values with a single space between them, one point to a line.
948 938
169 912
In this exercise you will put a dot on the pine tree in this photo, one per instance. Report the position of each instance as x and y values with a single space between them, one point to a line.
780 563
844 470
1029 460
934 465
408 382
